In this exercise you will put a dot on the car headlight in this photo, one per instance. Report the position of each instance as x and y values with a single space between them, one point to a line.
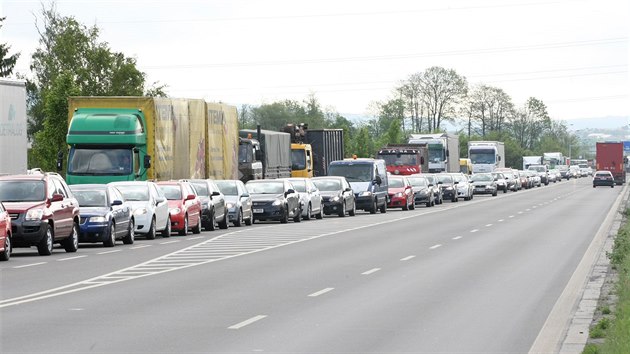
34 214
175 211
449 188
398 195
140 211
277 202
335 199
230 205
98 219
204 206
365 194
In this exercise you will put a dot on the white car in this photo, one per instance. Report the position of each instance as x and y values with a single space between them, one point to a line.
150 207
310 198
463 186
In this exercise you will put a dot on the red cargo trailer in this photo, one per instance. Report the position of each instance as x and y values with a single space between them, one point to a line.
609 157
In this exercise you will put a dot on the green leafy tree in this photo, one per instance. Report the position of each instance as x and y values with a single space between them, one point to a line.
71 52
364 143
7 62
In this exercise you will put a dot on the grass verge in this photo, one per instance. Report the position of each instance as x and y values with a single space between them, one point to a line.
615 328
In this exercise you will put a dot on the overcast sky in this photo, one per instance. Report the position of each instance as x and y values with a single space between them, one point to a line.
572 54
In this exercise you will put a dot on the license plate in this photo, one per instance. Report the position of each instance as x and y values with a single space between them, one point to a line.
259 211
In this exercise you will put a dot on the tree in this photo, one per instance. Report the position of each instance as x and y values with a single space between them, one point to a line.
70 59
528 124
7 62
488 108
442 90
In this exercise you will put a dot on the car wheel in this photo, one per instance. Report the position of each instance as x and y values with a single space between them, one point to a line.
249 220
184 231
612 186
374 207
320 215
45 246
197 229
223 224
298 215
210 225
406 206
494 194
151 233
239 218
6 254
383 208
71 244
308 212
342 212
111 240
353 211
412 206
167 230
131 233
285 215
428 204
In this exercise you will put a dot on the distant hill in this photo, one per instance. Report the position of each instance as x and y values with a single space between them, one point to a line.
609 122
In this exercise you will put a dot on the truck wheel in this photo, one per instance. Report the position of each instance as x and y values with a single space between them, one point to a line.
131 233
71 244
167 230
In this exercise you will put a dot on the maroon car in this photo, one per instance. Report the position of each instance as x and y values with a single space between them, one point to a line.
5 234
43 211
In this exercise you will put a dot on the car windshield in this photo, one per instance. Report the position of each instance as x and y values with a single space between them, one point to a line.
498 175
134 193
299 185
327 185
90 198
201 188
265 187
22 191
396 182
227 187
481 178
355 172
444 179
418 181
171 191
459 178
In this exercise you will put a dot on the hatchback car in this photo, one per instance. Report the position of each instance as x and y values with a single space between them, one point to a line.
310 198
5 234
433 183
149 205
105 216
213 205
337 195
274 200
463 187
448 187
422 192
238 201
603 178
184 206
400 193
484 183
43 211
502 183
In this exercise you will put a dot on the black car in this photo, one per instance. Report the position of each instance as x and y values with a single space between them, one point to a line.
213 205
448 186
274 200
337 195
603 178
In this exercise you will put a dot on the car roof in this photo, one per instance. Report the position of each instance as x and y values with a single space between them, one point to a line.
31 177
88 186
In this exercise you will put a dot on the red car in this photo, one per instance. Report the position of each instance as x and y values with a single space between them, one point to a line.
184 206
400 193
5 234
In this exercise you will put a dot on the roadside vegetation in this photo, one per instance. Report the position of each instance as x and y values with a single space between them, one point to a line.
611 333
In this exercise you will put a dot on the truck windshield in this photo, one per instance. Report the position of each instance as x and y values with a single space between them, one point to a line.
360 172
482 156
398 159
100 161
245 153
22 191
436 153
298 159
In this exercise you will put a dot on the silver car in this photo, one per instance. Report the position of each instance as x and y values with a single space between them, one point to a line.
310 198
150 207
463 186
238 201
213 204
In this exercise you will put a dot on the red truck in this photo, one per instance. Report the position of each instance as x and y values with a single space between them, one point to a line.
404 159
609 157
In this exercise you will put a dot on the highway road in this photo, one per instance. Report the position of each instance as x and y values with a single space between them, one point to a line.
474 276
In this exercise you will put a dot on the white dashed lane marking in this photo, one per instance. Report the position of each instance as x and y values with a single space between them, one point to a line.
435 246
371 271
407 258
321 292
29 265
247 322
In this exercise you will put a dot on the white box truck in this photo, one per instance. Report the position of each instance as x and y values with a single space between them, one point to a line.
13 129
443 150
486 156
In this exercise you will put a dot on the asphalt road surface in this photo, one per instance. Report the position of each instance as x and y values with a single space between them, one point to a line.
474 276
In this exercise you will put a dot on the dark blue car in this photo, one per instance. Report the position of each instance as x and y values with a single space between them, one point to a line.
105 216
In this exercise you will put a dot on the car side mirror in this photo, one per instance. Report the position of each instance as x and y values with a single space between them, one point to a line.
190 197
348 189
289 191
56 198
117 202
215 193
378 180
159 200
245 195
147 161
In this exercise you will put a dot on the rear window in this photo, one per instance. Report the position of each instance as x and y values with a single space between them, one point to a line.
602 174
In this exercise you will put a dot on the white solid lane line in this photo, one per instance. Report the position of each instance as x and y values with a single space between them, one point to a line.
435 246
69 258
30 265
373 270
106 252
321 292
247 322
